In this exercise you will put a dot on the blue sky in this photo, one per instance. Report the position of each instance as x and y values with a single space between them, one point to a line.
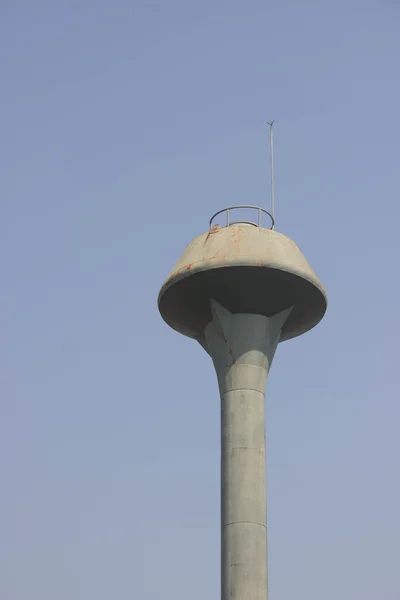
124 126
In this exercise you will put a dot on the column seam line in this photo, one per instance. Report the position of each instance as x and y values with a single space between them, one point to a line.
243 389
249 522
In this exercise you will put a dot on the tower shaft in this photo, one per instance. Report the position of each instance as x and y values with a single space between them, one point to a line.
242 347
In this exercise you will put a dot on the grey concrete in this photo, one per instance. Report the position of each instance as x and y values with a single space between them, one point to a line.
240 290
242 347
247 270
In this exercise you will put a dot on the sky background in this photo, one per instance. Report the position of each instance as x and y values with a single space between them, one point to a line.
124 126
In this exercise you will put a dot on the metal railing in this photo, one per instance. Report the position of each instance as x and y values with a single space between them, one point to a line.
254 223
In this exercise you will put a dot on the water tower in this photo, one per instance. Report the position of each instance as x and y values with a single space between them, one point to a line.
239 289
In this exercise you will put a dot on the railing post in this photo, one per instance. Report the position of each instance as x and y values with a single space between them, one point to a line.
227 217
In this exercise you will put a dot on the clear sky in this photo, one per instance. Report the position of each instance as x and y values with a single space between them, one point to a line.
124 126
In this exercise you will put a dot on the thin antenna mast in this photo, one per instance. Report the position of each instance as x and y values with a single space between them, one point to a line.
271 150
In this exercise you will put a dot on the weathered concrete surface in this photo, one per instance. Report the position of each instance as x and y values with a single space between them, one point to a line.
247 270
239 291
242 347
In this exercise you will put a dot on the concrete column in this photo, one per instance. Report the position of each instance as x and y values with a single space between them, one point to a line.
242 347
